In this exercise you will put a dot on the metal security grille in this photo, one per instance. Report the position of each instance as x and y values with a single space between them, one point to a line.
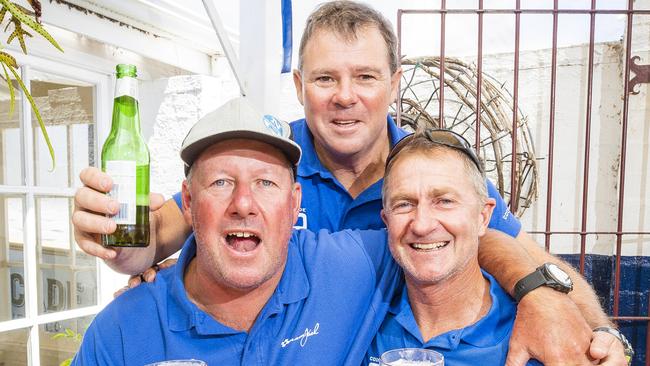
635 77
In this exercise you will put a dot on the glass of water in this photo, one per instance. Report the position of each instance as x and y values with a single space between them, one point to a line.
178 363
411 357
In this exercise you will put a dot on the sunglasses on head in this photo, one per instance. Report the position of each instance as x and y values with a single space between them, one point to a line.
441 137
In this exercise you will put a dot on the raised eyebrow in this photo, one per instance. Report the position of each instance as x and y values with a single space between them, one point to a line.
399 197
437 193
321 71
366 69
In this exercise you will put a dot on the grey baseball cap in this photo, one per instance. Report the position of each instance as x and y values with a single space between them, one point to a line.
238 119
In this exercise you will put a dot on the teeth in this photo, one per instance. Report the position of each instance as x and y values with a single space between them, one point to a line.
342 122
242 234
429 246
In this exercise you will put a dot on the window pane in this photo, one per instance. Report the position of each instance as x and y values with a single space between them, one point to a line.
12 284
60 340
13 347
11 169
67 109
67 280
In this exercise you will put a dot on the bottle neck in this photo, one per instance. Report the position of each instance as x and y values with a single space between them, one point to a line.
128 86
125 105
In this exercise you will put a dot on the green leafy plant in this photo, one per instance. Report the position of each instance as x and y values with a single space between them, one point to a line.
68 334
20 17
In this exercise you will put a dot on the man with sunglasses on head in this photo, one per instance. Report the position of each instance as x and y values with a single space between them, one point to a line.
436 208
346 81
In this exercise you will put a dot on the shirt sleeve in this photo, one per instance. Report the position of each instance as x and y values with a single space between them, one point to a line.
100 349
177 199
375 243
502 219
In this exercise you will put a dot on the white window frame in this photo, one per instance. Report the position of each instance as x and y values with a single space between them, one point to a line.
103 88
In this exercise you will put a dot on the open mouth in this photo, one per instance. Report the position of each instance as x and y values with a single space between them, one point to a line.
428 247
242 241
345 123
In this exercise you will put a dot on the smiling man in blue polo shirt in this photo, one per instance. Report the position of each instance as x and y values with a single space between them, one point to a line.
436 207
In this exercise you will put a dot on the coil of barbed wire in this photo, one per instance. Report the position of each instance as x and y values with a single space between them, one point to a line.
420 102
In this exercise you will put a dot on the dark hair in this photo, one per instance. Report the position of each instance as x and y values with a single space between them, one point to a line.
346 18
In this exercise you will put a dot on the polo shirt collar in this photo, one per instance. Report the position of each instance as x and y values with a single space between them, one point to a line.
184 315
294 284
487 332
311 164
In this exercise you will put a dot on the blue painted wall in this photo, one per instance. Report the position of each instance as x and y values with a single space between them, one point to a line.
634 290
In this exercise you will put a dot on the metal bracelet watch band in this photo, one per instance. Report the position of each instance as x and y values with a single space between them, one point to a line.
629 351
548 274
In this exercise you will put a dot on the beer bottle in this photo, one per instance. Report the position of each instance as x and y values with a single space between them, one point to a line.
125 158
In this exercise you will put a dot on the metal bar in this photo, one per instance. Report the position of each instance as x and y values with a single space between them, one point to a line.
514 194
592 232
233 60
526 11
551 130
621 184
585 185
441 90
479 80
399 54
631 318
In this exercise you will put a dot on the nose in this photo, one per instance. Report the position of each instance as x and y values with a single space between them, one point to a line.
345 95
424 221
242 203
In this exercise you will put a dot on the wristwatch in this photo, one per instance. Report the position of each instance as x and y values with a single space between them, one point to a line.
548 274
629 351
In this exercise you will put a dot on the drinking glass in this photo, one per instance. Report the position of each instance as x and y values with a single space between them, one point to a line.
411 357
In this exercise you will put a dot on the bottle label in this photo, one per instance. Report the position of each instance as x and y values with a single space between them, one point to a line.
124 184
126 86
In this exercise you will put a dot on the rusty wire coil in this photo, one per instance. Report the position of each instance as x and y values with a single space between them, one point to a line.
420 100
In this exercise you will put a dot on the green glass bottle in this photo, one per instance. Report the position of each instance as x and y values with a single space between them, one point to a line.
125 158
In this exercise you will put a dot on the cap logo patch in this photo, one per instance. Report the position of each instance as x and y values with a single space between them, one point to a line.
273 124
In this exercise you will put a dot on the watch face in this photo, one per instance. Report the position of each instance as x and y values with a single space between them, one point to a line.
561 276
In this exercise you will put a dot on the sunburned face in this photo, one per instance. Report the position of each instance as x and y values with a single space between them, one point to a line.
346 87
433 216
242 204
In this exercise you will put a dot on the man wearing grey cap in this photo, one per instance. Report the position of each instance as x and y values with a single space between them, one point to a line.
228 300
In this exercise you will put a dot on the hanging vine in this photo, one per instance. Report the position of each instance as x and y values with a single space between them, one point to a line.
19 17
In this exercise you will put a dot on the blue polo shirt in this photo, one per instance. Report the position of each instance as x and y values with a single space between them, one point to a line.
482 343
333 284
326 204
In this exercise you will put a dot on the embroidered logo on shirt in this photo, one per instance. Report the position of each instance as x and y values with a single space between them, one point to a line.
302 338
301 223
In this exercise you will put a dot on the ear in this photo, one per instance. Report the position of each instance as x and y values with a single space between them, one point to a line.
296 199
297 82
484 215
384 217
186 198
394 84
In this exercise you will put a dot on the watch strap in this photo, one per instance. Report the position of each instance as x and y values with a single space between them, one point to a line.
529 283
